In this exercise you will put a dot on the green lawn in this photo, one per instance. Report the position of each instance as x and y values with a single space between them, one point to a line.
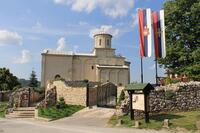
55 113
181 119
3 106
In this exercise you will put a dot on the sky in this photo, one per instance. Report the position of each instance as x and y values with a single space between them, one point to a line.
29 27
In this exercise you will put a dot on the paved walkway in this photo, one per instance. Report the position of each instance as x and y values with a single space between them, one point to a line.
97 117
30 126
85 121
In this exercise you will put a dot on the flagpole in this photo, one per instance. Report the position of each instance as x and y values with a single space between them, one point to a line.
156 67
141 63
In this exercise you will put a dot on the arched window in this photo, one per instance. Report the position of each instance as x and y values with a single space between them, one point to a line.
99 42
57 77
108 42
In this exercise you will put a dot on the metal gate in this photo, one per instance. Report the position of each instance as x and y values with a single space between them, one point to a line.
107 95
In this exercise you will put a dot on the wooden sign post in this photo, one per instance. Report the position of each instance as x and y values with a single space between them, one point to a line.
139 98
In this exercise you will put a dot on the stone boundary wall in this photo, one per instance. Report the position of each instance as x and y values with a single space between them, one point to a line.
35 96
175 97
4 95
75 92
72 95
20 97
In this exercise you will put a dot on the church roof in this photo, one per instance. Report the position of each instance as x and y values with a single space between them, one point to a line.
112 66
54 52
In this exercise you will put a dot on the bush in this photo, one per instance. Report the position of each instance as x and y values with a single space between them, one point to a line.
175 81
3 107
120 84
168 81
86 80
121 97
55 113
169 94
61 103
17 87
39 89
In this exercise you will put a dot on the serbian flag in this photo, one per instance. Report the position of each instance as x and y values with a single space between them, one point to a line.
159 34
144 17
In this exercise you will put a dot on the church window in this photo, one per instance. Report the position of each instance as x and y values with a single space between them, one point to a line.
108 42
57 77
99 42
92 67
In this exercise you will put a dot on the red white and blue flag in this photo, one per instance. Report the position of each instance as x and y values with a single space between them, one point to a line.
145 26
159 34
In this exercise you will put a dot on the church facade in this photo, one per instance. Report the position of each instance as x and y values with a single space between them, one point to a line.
101 65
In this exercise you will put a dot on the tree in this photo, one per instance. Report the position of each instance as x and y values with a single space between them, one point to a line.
33 80
7 80
182 18
122 96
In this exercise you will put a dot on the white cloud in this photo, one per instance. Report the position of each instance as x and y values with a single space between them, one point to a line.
105 29
75 48
8 37
61 47
135 20
25 57
60 1
112 8
37 26
61 44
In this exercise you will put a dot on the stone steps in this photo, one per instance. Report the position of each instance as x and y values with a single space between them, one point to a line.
28 112
24 109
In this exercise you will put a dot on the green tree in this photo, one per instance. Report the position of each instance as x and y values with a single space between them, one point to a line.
33 80
182 18
7 80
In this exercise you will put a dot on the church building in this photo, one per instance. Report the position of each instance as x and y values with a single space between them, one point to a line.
101 65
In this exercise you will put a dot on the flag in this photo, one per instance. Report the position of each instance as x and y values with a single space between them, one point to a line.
159 34
145 27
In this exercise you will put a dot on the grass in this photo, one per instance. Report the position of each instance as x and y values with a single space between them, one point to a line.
185 120
3 106
55 113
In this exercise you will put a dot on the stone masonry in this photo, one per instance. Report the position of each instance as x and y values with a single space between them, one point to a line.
182 97
173 97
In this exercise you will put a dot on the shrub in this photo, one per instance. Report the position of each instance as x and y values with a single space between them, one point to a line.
121 97
175 81
120 84
39 89
61 103
169 94
168 81
86 80
17 87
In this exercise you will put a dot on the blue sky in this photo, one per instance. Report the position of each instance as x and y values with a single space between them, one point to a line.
28 27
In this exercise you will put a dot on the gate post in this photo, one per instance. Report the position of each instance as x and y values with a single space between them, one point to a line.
29 97
131 105
87 94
